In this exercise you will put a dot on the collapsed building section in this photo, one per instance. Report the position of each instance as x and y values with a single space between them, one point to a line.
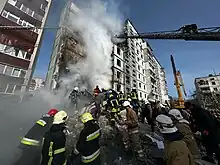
67 50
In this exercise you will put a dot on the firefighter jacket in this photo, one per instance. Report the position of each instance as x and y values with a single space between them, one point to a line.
134 96
88 143
176 151
188 137
35 135
113 103
132 121
121 97
53 150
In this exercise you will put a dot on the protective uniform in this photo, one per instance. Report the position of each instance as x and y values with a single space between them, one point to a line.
53 150
31 142
123 129
121 98
113 104
176 151
96 91
133 129
74 96
188 137
88 143
134 100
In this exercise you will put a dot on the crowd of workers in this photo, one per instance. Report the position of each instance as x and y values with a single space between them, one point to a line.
124 112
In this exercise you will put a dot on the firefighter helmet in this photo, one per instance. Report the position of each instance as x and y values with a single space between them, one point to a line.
86 117
60 117
165 124
52 112
126 104
76 89
176 114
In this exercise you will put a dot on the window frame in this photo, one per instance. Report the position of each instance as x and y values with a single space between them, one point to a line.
19 72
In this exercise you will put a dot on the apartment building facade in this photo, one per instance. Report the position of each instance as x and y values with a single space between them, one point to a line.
118 77
142 69
19 48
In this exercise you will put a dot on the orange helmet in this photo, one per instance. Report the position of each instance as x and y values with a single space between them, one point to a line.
52 112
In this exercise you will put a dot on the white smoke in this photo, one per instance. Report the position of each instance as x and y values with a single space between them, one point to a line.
97 26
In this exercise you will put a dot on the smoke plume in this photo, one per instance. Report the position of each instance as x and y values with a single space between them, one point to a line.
96 22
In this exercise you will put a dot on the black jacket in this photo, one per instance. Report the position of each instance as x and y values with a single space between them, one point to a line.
54 146
204 121
88 142
34 136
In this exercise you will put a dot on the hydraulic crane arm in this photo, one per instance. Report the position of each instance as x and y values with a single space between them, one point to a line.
203 34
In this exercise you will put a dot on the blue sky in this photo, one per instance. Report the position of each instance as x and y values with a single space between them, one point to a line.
194 59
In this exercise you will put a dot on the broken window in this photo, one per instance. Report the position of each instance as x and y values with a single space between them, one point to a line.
118 62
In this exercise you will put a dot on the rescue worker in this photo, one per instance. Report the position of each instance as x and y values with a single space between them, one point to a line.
133 130
53 150
74 96
123 129
31 142
121 98
147 114
88 143
210 131
113 105
176 151
96 91
134 100
184 128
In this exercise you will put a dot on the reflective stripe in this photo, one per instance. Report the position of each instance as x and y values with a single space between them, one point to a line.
50 153
30 142
76 151
135 131
93 136
90 158
41 122
58 151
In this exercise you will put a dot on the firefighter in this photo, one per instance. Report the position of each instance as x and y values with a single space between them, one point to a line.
147 113
53 150
114 107
134 99
121 98
31 142
133 130
74 96
176 150
123 129
184 128
96 91
88 144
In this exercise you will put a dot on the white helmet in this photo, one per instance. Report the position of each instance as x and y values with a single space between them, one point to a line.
76 89
60 117
176 114
165 124
126 103
129 99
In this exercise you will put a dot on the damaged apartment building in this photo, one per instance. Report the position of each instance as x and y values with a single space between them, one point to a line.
142 70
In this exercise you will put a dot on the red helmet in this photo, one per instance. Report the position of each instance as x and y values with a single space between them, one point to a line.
52 112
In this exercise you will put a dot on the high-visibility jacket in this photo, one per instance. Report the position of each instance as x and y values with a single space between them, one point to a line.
128 96
121 97
53 150
114 105
88 143
134 96
35 135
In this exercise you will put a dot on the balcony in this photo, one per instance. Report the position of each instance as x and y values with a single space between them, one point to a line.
27 35
23 13
14 61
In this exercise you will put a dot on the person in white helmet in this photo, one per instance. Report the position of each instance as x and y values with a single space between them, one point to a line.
176 150
133 130
183 126
53 150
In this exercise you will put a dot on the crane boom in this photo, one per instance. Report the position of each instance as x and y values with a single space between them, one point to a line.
202 34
